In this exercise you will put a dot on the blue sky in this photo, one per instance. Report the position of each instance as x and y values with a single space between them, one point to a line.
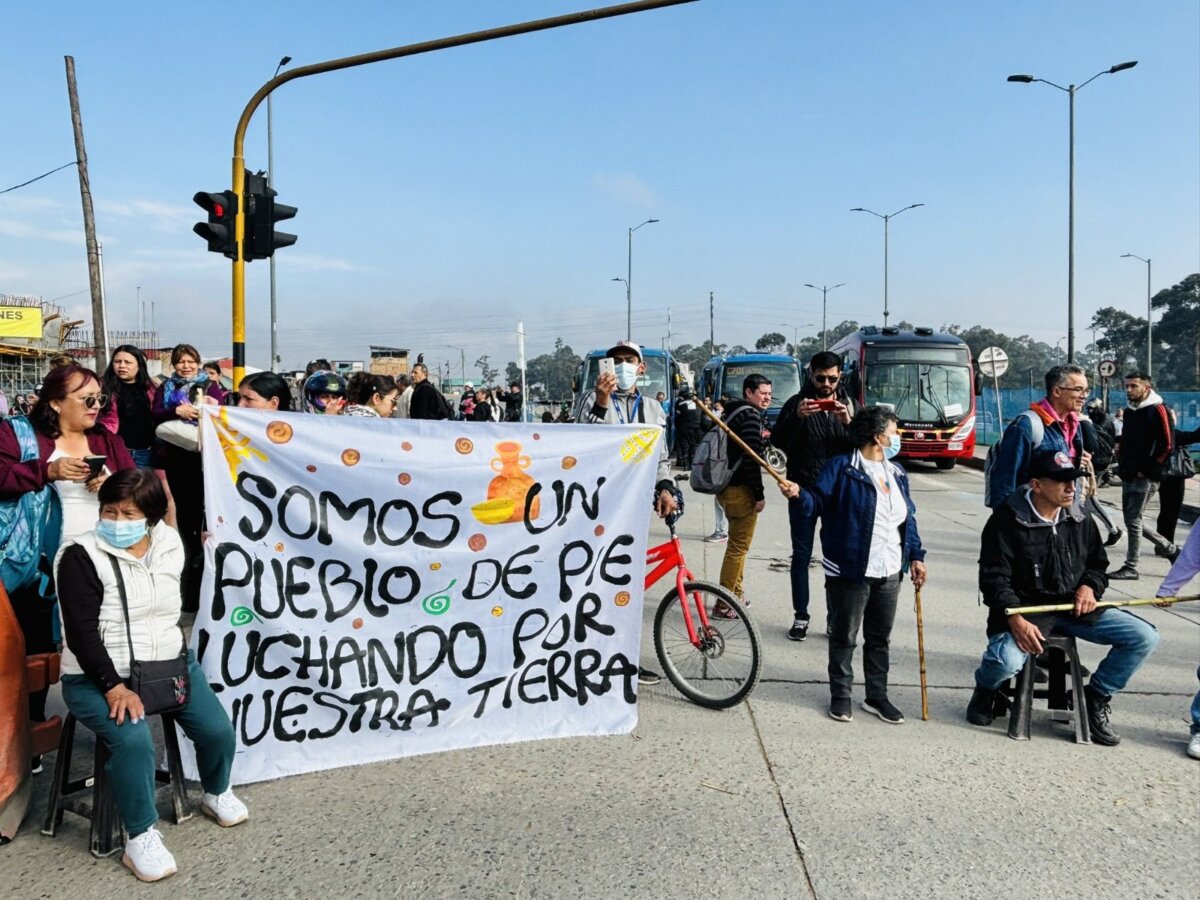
442 198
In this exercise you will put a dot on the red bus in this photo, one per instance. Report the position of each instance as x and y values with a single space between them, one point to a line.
928 380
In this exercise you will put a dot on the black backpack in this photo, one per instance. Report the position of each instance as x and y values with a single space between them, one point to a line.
1098 442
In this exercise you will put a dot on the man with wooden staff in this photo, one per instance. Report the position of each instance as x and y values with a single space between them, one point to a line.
1039 549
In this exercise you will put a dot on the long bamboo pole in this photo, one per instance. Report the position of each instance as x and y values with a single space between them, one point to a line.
754 456
1106 604
921 657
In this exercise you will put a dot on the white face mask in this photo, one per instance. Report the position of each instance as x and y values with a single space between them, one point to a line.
627 374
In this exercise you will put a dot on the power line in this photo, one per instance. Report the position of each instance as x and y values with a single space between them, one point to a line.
39 178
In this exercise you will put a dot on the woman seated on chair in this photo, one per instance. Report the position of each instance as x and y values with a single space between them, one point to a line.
118 587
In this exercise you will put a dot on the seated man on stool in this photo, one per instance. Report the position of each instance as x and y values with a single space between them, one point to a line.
1035 552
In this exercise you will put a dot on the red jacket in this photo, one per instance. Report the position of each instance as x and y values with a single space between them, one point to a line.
17 478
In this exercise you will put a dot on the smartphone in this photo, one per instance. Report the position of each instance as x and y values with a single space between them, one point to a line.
608 367
827 405
95 465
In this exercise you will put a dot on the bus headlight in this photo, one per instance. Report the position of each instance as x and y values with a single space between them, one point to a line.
965 429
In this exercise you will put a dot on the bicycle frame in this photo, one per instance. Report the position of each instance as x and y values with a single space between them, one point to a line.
669 556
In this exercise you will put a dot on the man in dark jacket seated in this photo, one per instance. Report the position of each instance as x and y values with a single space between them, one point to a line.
1036 551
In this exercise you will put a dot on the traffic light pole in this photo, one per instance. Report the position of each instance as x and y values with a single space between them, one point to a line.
349 62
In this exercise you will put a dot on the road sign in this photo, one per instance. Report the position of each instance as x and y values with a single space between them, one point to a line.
1107 368
993 362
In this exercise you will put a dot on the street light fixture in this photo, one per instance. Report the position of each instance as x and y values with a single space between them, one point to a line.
629 281
1149 314
886 218
796 332
824 289
1070 91
270 176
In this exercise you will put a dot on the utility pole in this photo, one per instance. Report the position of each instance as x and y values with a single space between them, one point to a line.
99 325
712 341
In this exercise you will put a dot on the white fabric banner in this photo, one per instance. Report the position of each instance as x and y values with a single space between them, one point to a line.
383 588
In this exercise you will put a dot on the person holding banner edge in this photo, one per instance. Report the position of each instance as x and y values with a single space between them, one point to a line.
121 580
616 400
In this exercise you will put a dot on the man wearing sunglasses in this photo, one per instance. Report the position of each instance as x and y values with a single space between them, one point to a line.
812 429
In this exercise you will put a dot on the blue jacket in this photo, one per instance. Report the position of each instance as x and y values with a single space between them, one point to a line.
1011 468
844 497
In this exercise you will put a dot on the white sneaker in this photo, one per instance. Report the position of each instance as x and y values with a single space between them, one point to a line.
225 808
147 858
1193 749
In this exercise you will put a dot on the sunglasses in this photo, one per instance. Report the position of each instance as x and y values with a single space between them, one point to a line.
826 379
93 400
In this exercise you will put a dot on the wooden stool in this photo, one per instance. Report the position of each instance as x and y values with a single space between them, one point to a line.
107 835
1063 660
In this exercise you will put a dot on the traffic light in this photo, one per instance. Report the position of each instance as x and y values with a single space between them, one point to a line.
262 212
218 230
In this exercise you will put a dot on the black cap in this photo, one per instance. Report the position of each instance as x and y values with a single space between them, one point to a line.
1053 464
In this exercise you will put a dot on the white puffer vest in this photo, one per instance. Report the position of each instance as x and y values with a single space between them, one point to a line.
152 591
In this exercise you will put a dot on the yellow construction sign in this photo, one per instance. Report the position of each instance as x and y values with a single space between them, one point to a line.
21 322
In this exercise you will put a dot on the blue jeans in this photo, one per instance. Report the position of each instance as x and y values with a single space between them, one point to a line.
131 766
1131 639
141 458
803 529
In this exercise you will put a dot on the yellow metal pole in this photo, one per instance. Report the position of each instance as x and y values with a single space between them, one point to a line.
475 37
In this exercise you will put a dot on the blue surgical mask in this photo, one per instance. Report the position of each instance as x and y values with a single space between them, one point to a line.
627 374
121 533
893 448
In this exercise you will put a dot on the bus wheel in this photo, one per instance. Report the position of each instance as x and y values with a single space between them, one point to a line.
945 464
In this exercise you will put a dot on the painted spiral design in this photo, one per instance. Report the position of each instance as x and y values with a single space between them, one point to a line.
438 603
242 615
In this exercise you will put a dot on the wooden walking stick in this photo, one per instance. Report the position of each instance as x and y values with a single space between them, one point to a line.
754 456
1104 604
921 656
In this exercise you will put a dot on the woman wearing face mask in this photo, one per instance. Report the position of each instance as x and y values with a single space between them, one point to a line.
61 432
869 539
265 390
177 405
103 634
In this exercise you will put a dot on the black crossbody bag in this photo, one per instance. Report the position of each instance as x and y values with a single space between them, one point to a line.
163 686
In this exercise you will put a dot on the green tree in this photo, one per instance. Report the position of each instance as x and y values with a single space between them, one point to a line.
548 377
487 374
771 342
1179 327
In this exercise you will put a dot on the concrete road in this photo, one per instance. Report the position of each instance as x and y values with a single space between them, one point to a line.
770 799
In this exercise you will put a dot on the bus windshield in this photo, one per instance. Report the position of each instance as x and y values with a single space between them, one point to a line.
785 380
650 384
920 391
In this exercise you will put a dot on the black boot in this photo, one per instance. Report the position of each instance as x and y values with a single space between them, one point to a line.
1098 712
980 711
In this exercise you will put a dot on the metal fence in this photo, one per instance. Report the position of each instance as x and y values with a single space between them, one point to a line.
1186 405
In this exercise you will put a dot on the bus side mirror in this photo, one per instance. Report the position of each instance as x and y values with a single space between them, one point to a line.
978 385
852 385
575 384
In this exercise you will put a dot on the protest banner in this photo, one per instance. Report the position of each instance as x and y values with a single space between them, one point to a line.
382 588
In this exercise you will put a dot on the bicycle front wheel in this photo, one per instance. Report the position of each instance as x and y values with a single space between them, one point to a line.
726 665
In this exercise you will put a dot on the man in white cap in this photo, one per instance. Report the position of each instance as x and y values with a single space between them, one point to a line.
616 400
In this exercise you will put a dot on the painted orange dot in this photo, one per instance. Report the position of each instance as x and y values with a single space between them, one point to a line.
622 598
464 445
598 530
435 566
279 547
477 542
351 457
357 623
405 446
279 432
568 462
497 611
310 468
404 478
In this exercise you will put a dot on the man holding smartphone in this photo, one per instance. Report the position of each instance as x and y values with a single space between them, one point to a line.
811 430
616 400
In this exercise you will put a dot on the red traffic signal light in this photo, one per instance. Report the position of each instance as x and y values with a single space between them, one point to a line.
219 229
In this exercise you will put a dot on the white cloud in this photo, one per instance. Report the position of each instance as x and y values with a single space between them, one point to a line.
311 262
161 216
14 229
12 272
626 188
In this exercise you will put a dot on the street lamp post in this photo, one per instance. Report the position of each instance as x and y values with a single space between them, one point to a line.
1149 314
1070 91
886 219
270 176
629 282
825 289
796 333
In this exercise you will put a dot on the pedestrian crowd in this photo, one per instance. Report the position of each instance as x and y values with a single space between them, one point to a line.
105 472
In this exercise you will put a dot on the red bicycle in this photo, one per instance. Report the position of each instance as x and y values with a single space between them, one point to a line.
713 661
